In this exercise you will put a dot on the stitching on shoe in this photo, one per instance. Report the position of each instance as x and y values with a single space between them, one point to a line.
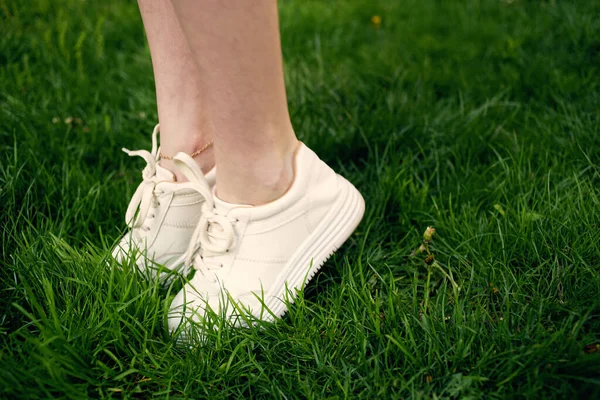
280 224
188 204
179 225
176 253
272 260
308 224
193 194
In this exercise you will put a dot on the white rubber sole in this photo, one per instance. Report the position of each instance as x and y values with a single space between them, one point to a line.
331 233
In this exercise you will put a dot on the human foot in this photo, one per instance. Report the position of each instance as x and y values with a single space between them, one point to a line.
162 216
249 258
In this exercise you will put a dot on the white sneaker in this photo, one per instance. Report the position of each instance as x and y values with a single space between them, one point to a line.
254 257
168 213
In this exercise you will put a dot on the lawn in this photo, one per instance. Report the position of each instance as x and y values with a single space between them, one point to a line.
480 118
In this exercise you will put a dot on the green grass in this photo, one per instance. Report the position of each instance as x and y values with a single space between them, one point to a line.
478 117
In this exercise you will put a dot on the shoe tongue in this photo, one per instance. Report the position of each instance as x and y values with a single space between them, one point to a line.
163 174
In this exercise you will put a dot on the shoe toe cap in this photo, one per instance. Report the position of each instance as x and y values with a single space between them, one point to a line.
121 250
190 305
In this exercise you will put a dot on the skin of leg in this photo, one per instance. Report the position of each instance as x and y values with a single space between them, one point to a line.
184 120
237 48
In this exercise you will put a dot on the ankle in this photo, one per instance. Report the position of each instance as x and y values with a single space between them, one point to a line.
205 160
262 182
171 144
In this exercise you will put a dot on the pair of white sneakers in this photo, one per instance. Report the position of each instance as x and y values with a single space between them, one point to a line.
249 260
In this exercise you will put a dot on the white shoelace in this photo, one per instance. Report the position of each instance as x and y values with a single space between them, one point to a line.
214 234
145 196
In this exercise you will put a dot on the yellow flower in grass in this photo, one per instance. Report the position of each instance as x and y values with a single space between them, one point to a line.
376 20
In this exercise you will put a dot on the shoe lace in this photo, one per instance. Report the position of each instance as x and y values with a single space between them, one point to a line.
214 235
144 196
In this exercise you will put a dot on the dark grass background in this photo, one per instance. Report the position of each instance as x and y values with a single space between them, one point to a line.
480 118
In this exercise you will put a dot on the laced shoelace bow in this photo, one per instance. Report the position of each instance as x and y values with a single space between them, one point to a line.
214 234
144 194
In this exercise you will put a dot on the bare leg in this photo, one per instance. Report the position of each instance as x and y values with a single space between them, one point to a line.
237 48
184 122
263 252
